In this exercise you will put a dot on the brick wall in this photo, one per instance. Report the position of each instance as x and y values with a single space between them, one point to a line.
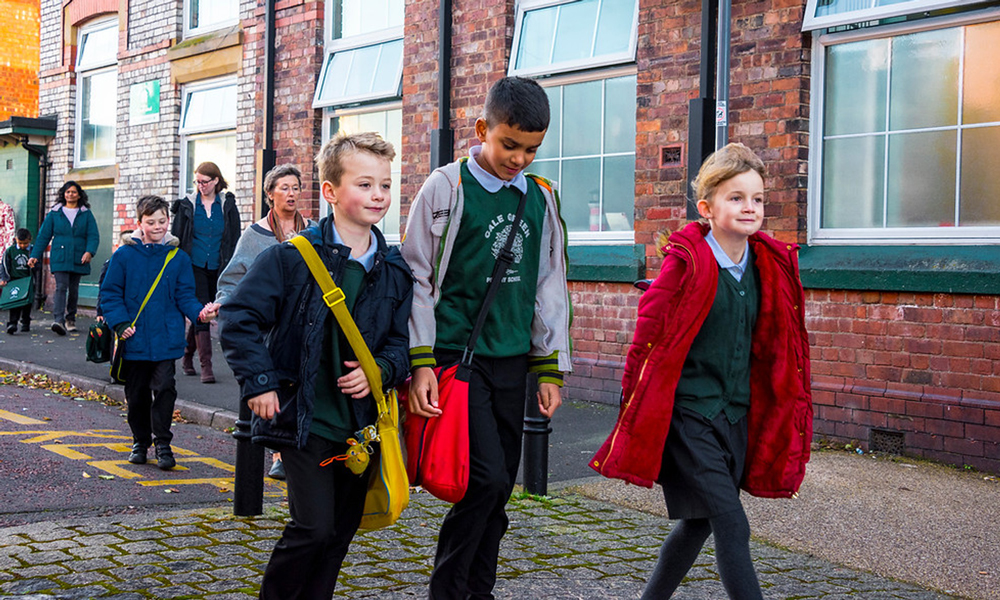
924 365
19 63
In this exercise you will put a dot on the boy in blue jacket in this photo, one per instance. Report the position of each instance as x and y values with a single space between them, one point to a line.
157 338
298 372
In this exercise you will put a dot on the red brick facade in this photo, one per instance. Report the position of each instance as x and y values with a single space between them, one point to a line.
19 59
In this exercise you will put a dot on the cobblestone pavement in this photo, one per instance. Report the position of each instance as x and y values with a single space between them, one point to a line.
561 547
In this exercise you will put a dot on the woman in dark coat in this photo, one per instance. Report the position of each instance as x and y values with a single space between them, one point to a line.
208 226
72 229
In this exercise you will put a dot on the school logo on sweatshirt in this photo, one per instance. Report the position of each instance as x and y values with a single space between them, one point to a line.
496 235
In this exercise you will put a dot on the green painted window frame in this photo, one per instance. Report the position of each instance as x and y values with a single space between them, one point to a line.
930 269
607 263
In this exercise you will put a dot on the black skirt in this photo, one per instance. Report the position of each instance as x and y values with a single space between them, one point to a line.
703 464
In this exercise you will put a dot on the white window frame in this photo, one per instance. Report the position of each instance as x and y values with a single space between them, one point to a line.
329 115
606 60
374 38
214 130
190 32
901 235
87 72
594 238
871 13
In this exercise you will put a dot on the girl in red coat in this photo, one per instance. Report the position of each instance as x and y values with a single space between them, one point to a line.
716 386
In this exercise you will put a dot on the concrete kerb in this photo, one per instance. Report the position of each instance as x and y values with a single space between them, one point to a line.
191 412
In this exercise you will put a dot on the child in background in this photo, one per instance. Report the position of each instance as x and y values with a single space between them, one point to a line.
457 224
157 340
15 266
716 386
298 373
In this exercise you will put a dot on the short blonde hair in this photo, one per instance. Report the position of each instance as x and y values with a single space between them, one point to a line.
724 164
330 160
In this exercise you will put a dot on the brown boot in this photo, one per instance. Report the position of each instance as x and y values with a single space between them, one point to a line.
187 364
205 354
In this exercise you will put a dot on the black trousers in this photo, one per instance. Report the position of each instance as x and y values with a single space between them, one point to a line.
22 314
150 394
206 284
326 505
469 543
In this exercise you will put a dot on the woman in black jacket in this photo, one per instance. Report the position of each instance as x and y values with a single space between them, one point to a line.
208 226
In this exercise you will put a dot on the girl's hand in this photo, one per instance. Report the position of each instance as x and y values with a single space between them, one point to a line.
129 332
354 384
265 405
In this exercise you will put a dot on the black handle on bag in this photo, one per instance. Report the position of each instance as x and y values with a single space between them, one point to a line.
504 260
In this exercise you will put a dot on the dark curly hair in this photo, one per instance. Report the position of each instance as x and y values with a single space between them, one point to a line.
61 194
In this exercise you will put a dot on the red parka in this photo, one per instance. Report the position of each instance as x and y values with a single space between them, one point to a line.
671 312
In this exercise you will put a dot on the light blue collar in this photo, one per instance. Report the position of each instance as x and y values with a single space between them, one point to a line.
723 259
367 260
491 183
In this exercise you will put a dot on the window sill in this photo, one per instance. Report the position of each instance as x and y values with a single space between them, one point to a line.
94 175
208 42
947 269
608 263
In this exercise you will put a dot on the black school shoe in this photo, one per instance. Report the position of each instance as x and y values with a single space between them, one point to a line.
12 329
59 328
138 455
165 457
25 328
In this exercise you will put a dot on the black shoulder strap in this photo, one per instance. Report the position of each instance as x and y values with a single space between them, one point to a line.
504 260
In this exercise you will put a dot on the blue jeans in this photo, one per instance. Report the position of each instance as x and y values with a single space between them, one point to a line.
67 293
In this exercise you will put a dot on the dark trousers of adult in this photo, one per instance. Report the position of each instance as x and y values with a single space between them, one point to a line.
198 334
22 314
67 293
326 505
469 543
150 393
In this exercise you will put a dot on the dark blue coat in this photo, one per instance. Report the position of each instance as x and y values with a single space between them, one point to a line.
272 329
159 332
69 242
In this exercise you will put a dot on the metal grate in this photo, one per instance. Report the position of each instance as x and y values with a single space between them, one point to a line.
887 442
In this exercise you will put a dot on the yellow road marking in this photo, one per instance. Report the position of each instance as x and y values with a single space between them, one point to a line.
19 419
45 436
68 451
226 482
213 462
111 467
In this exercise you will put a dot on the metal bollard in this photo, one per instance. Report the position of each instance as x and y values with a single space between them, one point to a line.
536 442
248 492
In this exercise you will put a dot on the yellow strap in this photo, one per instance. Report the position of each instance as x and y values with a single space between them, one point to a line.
170 256
334 298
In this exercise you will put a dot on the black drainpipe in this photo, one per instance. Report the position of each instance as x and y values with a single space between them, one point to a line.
248 487
443 138
43 171
701 110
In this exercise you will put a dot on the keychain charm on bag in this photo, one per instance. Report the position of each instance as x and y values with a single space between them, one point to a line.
358 452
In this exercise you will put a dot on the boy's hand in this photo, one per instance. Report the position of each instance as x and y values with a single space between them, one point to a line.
2 283
129 332
549 399
354 384
423 396
209 312
86 258
265 405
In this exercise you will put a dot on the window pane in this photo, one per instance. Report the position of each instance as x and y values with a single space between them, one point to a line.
581 194
205 13
614 27
921 179
364 73
981 101
619 111
575 31
924 66
358 17
388 124
220 149
980 204
852 182
97 116
102 203
212 108
546 168
98 47
387 73
855 87
835 7
335 75
582 108
535 44
550 147
619 193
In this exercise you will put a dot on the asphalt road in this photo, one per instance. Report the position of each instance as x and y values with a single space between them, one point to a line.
69 457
